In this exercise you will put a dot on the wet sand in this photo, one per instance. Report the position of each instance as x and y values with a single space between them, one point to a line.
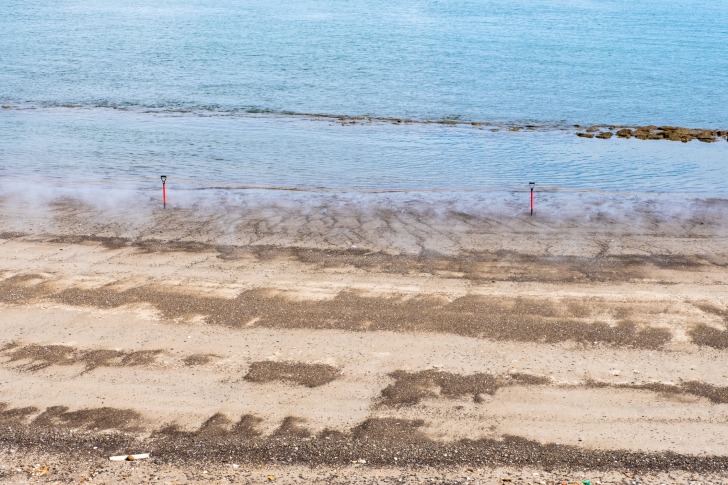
334 339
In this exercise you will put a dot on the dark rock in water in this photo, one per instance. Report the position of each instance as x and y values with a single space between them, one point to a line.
645 133
678 134
673 135
651 132
706 136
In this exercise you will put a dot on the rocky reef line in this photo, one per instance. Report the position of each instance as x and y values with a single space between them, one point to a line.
650 132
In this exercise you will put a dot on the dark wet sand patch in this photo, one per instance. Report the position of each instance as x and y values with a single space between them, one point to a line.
702 334
410 388
98 419
22 288
501 265
475 265
11 235
16 415
716 394
40 357
109 242
155 246
217 426
377 441
93 419
309 375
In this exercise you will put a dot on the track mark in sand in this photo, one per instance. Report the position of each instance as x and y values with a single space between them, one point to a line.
39 357
109 242
199 359
411 387
716 394
93 419
309 375
501 265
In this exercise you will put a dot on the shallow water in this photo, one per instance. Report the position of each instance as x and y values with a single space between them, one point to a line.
81 146
78 81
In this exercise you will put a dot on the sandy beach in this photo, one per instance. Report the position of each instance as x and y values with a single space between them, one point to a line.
330 339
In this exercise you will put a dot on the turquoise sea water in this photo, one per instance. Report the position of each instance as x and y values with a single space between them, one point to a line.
208 90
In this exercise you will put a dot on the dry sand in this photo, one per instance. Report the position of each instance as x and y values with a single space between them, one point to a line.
338 339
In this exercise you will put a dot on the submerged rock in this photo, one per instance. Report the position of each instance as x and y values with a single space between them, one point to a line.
706 136
651 132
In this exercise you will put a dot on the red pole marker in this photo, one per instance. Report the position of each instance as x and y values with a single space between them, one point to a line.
532 185
164 191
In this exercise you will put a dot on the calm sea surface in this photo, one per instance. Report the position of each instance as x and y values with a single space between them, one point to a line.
215 91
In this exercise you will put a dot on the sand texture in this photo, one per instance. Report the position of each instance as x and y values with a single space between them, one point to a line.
322 339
